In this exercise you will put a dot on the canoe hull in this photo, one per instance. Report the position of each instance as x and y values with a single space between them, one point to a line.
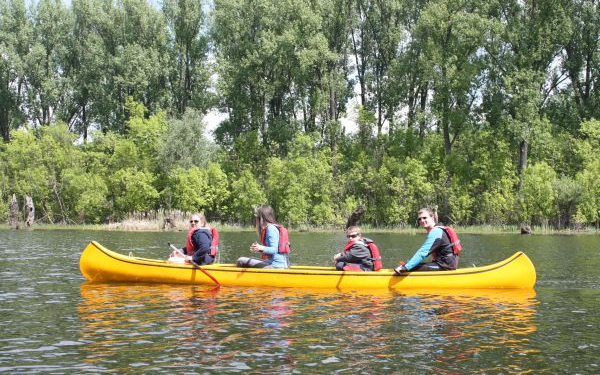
99 264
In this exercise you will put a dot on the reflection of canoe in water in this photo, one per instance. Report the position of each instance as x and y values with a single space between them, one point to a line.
99 264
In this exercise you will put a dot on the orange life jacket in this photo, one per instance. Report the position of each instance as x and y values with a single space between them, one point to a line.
214 241
375 255
284 240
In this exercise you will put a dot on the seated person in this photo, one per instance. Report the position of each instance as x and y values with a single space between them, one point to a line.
274 244
358 253
197 250
437 244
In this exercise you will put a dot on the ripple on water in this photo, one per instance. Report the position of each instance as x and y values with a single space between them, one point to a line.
53 322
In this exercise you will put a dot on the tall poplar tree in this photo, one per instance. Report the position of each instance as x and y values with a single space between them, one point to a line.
15 41
189 77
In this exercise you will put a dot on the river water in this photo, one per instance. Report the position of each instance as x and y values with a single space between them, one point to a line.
54 322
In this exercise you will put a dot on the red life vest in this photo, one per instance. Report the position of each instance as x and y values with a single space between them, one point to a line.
453 237
214 241
284 241
375 255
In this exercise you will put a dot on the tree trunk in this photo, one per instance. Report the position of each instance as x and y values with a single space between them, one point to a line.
4 125
523 151
30 211
423 106
84 120
4 114
14 213
355 216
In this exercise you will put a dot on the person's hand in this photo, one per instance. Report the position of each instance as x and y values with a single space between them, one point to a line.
337 256
256 248
398 270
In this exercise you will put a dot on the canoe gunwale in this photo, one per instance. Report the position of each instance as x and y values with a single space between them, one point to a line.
296 271
232 273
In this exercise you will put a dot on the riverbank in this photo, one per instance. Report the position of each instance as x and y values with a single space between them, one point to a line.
134 225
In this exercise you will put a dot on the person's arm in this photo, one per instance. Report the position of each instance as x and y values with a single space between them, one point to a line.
201 240
425 249
271 246
357 253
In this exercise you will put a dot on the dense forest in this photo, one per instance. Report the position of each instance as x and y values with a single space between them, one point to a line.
488 110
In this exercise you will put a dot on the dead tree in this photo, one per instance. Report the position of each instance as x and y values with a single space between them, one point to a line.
30 211
355 216
14 213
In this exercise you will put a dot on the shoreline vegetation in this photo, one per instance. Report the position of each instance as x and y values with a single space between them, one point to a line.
155 225
488 113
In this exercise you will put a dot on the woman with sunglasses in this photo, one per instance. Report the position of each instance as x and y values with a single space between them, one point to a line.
197 246
437 244
356 255
274 244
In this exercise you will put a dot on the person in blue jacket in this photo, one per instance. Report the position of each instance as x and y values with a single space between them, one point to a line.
437 244
199 239
270 247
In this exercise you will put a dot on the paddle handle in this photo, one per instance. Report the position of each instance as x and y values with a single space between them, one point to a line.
175 248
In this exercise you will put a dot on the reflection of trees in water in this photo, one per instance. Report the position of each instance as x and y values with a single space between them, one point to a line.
306 330
472 332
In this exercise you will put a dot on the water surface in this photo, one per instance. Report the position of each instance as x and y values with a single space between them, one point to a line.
53 322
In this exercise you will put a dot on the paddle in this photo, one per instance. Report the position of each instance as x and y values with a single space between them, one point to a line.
196 265
175 248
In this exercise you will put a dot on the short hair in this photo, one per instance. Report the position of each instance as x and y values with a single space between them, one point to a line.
354 229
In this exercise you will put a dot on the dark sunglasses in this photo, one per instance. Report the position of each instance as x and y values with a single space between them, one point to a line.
352 235
423 218
194 221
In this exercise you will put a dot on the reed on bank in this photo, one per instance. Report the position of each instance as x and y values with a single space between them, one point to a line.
181 224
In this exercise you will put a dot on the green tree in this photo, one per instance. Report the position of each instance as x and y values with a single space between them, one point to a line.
217 192
46 59
184 143
299 186
539 200
451 34
15 42
85 195
521 57
246 192
134 35
582 62
24 176
568 195
200 189
589 178
588 210
132 191
188 48
377 31
147 134
85 68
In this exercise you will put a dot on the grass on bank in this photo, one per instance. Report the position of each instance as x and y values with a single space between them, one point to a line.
179 225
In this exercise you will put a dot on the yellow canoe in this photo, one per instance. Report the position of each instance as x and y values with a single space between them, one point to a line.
99 264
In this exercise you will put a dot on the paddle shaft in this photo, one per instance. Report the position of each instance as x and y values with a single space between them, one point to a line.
175 248
196 266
